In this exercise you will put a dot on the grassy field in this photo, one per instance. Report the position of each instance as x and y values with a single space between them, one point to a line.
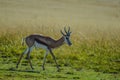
95 26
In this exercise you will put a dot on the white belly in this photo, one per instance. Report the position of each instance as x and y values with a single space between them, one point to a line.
38 45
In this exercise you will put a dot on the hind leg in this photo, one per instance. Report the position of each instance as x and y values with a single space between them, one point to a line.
28 57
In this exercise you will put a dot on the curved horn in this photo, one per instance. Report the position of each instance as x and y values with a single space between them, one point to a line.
65 30
62 32
69 29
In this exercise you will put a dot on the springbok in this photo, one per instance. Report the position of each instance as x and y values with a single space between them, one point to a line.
46 43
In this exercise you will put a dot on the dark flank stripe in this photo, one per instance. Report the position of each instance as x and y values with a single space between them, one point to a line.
40 42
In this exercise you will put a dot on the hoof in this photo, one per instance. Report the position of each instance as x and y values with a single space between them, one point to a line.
43 68
32 68
58 70
17 66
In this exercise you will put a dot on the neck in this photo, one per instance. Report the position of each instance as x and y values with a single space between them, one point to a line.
59 42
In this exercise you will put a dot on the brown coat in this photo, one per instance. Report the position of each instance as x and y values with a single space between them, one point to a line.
47 41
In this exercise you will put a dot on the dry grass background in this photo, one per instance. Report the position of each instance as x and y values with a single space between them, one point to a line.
95 19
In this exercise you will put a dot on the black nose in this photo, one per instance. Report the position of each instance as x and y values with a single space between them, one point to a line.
70 44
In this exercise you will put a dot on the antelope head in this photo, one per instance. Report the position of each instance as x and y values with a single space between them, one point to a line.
66 36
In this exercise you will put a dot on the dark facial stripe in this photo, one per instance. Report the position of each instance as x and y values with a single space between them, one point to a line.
69 41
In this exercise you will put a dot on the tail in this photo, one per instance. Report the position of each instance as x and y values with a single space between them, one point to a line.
23 40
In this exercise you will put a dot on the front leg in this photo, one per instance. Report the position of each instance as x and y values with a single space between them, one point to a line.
44 60
58 69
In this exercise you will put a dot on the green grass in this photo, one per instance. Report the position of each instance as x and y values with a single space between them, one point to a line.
95 26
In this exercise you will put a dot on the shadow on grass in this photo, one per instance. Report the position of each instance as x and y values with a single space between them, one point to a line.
16 70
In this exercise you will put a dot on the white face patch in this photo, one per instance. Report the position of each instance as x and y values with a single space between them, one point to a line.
67 40
38 45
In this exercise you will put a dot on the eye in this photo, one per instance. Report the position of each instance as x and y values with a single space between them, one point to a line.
66 37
